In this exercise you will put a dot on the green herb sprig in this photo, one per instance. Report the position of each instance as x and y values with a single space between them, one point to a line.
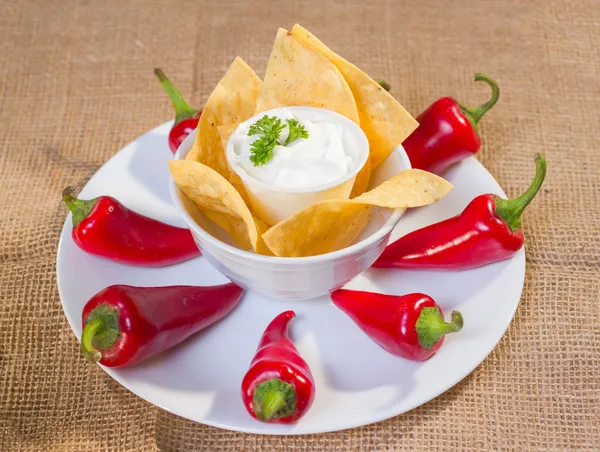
296 131
269 128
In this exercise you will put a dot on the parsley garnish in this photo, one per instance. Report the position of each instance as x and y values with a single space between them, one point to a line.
267 125
261 149
296 130
270 127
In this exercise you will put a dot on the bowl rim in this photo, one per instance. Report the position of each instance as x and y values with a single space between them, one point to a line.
360 137
368 242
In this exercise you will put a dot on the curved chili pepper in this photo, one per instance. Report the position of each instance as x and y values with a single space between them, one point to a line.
124 325
447 132
186 118
278 387
104 227
410 326
488 230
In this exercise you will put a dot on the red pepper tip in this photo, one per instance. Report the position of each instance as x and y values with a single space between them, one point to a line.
289 314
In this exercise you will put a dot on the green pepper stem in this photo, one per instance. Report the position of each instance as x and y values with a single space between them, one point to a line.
510 210
101 331
385 85
89 332
274 399
474 114
431 326
182 109
78 207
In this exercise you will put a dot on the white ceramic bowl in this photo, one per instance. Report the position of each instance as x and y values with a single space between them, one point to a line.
273 205
297 277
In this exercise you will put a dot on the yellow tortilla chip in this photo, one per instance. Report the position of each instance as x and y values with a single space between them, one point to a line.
409 188
261 246
332 225
232 101
362 179
298 75
316 229
385 122
235 180
225 132
234 226
219 201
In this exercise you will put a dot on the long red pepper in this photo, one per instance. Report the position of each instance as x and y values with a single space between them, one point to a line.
447 132
411 326
124 325
186 117
278 387
488 230
104 227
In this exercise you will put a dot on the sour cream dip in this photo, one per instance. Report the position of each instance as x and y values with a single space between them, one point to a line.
304 171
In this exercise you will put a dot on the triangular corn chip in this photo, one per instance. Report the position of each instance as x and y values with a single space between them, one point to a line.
362 179
321 228
219 201
299 75
225 132
385 122
332 225
408 188
232 101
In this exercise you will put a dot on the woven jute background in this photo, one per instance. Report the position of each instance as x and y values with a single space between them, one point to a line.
76 84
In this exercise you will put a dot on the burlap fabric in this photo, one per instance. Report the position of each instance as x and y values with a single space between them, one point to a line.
76 84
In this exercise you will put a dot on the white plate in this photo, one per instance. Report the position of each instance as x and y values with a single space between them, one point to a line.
357 383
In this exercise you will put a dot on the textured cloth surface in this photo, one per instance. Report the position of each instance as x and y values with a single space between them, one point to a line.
76 85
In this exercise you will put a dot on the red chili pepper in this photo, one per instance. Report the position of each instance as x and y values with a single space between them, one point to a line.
410 326
186 118
488 230
104 227
124 325
447 132
278 387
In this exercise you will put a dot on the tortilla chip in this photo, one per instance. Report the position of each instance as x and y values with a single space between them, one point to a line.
232 101
362 179
332 225
409 188
235 180
316 229
298 75
385 122
225 132
261 246
219 201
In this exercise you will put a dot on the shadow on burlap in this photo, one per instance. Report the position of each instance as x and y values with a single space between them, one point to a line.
76 84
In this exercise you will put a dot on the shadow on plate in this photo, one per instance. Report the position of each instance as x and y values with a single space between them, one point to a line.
148 164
